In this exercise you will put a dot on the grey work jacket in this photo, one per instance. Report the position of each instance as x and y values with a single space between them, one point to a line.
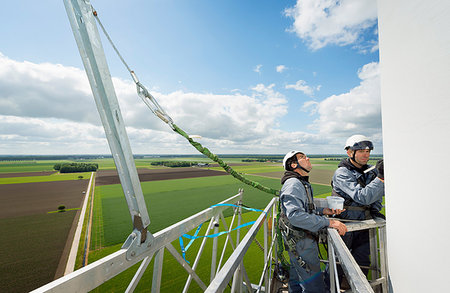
345 183
294 204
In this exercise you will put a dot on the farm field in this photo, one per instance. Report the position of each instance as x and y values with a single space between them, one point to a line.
34 240
108 177
29 178
27 166
163 201
32 249
171 194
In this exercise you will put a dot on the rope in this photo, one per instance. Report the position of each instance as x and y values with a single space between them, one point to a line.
153 105
224 165
151 102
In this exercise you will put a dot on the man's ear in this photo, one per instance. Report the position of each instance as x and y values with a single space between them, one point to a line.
350 153
293 165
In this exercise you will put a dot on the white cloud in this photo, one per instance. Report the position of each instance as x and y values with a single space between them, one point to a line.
339 22
25 135
280 68
42 106
357 111
301 85
257 68
49 109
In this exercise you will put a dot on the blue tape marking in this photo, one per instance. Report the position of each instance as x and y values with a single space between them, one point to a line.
195 236
183 251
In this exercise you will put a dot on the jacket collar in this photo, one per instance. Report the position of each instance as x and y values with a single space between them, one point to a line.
348 164
292 174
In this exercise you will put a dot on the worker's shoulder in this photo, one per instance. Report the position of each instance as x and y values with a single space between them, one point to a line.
345 173
293 184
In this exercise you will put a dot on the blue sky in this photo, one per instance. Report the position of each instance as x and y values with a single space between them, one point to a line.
248 76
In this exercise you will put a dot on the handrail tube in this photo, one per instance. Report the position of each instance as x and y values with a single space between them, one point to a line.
366 224
355 276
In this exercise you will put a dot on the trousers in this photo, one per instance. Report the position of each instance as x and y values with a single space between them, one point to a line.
310 279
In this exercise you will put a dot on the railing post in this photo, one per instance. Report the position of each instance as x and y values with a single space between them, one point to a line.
140 272
266 231
157 271
334 280
237 277
383 259
214 250
374 253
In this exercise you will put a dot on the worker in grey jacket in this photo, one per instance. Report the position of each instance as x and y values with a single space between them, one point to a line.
300 222
362 190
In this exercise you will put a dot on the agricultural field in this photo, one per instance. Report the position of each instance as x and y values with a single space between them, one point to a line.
163 200
171 194
34 235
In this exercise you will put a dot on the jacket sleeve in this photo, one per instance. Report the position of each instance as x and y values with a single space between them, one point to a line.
345 182
294 199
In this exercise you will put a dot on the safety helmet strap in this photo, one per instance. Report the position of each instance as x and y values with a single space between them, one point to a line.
299 166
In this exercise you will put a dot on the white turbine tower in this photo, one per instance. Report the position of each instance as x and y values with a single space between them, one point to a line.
415 98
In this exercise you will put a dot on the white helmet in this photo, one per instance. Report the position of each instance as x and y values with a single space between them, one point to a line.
288 156
358 142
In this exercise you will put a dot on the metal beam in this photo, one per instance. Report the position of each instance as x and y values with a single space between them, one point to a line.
85 31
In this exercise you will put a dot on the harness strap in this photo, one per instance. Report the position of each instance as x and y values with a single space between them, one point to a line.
291 235
348 201
311 206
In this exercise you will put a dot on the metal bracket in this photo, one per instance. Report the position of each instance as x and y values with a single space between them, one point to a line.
137 243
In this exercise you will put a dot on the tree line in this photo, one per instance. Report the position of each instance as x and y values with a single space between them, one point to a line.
258 160
174 164
75 167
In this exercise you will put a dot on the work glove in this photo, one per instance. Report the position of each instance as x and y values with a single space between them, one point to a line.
380 168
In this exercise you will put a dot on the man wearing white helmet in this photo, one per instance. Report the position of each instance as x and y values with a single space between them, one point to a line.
300 222
363 191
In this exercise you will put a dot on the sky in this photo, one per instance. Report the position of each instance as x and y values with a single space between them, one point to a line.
249 77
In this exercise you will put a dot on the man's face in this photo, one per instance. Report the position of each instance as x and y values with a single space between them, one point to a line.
361 156
303 160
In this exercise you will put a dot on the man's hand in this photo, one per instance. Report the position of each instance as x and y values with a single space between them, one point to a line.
380 169
328 211
339 226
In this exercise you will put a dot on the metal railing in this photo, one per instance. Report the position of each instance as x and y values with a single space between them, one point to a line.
378 255
95 274
233 270
142 246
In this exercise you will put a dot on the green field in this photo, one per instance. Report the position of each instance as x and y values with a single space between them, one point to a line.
27 166
53 177
168 201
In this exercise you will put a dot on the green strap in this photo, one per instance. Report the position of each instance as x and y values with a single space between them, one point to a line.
222 164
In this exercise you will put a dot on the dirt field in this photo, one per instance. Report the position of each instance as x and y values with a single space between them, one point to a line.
231 164
39 198
26 174
34 242
316 176
32 247
106 177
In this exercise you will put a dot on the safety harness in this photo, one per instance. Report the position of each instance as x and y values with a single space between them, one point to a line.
368 212
291 234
